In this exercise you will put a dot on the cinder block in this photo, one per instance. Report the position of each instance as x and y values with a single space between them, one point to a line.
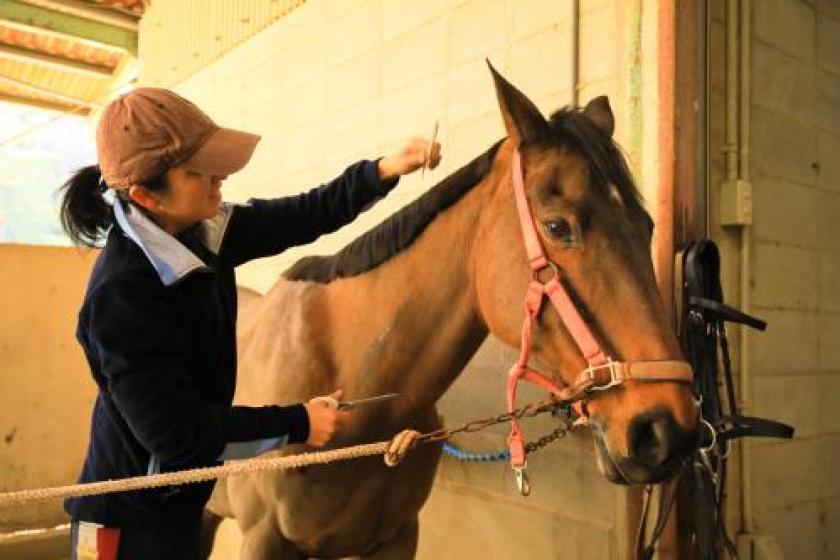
353 131
779 480
301 106
784 277
828 217
783 147
478 27
541 63
828 8
829 343
352 82
488 527
791 223
470 92
828 44
797 528
399 16
412 111
789 345
307 60
794 399
536 15
598 35
787 24
415 55
829 461
470 138
338 10
303 149
829 295
831 516
828 146
302 22
828 101
782 83
353 32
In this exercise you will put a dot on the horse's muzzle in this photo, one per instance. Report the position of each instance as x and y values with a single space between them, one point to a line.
657 448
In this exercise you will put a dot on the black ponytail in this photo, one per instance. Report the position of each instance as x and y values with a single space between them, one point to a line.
85 214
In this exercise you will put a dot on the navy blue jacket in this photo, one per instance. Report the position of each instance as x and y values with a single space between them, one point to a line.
157 327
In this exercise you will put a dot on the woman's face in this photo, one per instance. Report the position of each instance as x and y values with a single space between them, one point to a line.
190 198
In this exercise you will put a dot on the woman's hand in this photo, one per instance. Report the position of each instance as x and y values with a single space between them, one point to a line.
410 157
324 418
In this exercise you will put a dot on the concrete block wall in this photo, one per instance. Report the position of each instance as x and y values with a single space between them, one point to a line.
796 141
795 172
334 81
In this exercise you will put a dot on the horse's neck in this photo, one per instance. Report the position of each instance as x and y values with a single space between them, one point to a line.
411 325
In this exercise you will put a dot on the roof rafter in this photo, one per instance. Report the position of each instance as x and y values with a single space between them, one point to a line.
29 56
37 16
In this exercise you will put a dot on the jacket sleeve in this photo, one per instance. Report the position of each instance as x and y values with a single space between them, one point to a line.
144 356
263 228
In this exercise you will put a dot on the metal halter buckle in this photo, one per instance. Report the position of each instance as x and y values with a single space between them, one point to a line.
522 482
612 367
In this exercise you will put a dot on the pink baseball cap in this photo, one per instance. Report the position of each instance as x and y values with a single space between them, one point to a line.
148 131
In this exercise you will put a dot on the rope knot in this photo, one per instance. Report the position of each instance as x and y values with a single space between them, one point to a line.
401 444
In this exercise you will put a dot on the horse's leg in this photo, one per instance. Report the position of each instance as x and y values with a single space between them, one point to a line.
209 523
263 541
402 547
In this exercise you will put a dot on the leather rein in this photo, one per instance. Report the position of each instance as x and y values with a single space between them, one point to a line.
602 373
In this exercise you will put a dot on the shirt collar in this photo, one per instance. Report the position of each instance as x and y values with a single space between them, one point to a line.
169 257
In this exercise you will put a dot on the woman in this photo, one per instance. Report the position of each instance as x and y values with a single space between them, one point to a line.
157 325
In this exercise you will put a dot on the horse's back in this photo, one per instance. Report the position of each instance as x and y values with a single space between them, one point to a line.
278 340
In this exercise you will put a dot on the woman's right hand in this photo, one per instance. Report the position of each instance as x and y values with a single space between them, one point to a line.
324 418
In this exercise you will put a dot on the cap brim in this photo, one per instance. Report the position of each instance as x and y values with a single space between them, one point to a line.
225 152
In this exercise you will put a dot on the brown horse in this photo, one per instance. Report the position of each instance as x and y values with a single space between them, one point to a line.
404 307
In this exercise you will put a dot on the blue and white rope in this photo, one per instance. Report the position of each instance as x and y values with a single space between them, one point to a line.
461 455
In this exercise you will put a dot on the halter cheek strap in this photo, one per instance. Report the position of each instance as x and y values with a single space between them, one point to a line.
602 373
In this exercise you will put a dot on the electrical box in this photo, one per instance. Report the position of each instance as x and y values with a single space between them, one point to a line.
736 203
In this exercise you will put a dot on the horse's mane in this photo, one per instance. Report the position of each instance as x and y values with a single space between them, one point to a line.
397 232
567 126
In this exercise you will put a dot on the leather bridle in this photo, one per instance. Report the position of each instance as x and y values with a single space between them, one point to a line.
602 372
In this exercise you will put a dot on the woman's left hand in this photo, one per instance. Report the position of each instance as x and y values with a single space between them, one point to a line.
410 157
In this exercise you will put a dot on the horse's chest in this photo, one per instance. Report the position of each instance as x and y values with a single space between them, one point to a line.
347 510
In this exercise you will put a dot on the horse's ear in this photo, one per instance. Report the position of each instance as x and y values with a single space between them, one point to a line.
599 112
523 120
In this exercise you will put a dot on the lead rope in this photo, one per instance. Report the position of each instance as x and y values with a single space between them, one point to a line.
394 451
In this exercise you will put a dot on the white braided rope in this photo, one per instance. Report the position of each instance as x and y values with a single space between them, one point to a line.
231 468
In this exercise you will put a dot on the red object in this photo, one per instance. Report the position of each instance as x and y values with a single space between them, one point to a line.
107 543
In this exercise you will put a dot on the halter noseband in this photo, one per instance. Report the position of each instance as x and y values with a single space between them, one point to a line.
602 373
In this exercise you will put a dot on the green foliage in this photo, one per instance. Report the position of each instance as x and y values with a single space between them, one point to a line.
34 166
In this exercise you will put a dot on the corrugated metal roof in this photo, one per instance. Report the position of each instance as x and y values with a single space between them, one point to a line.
171 51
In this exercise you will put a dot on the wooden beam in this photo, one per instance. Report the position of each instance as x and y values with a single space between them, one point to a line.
44 104
36 16
89 11
30 56
54 95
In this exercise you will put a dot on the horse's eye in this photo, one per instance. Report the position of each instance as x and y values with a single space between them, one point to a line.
563 231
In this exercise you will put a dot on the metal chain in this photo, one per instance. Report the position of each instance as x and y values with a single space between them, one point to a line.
527 411
559 433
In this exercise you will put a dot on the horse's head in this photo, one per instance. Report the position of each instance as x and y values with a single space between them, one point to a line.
594 229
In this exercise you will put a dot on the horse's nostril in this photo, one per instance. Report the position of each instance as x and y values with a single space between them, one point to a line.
649 437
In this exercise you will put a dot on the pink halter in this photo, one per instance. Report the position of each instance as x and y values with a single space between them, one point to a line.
602 372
